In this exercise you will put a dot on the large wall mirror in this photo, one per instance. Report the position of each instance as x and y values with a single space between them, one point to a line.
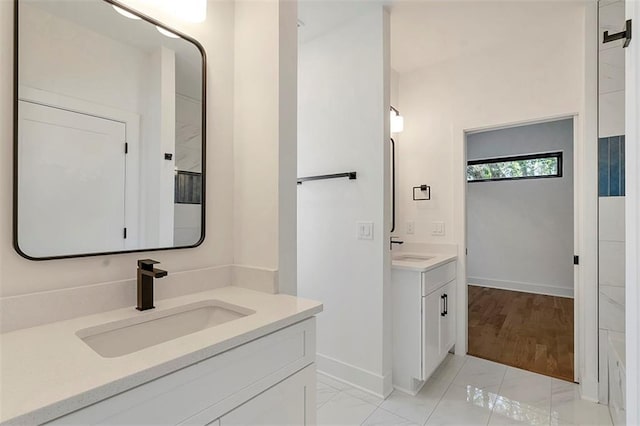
109 131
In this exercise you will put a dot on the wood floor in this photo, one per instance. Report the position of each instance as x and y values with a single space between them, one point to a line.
524 330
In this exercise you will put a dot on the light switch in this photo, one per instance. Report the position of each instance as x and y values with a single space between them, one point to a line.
411 227
437 228
365 230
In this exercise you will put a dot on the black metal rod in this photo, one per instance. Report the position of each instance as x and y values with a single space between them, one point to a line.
393 185
350 175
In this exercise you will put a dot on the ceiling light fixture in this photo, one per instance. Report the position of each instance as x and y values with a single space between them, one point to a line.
167 32
125 13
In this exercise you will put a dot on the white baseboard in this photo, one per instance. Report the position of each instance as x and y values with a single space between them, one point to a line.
545 289
411 392
589 389
357 377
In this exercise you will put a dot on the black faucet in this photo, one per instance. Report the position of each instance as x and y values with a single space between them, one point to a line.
146 274
392 242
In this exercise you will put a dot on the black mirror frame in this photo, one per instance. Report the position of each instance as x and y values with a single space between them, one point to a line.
15 140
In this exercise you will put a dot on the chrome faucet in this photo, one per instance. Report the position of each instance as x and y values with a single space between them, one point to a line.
146 274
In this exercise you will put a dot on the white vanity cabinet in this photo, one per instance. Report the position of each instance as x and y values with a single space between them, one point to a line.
424 324
269 380
286 403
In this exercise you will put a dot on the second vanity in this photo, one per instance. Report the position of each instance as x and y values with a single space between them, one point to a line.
424 325
241 357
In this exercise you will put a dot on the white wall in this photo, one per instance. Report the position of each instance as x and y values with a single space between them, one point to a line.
288 148
521 81
188 133
264 137
19 276
611 280
491 88
187 220
611 240
158 137
85 60
611 70
187 217
343 110
516 226
632 225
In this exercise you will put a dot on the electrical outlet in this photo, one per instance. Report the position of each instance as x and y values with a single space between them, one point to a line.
411 227
365 230
437 228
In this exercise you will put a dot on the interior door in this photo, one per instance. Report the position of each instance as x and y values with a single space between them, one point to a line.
82 159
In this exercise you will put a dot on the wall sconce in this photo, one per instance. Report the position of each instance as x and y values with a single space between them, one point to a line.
397 121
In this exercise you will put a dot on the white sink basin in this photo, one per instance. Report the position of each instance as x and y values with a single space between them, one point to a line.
133 334
412 257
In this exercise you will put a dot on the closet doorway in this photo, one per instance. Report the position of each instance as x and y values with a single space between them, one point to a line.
520 243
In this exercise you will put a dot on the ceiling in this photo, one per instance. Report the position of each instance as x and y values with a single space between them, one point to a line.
100 17
424 33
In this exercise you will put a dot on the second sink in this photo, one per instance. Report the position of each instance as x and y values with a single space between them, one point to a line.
412 257
133 334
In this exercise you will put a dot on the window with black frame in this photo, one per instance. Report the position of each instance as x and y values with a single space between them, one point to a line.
188 187
530 166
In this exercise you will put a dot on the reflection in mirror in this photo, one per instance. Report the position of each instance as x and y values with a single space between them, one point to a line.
110 132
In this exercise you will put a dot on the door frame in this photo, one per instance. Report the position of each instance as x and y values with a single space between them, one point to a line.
585 245
586 165
576 218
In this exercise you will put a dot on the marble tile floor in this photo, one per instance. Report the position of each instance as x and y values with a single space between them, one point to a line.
463 391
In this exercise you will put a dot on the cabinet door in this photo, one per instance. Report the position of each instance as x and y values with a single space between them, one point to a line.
432 310
407 311
448 322
290 402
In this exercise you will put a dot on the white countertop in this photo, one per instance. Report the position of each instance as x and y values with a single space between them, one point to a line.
47 371
436 259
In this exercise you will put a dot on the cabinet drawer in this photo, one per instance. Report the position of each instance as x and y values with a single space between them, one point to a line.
214 385
290 402
437 277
